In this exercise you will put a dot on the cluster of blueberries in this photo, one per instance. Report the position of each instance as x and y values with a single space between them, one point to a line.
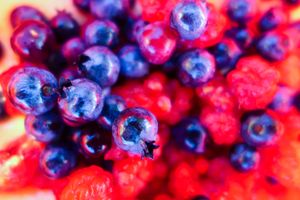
77 99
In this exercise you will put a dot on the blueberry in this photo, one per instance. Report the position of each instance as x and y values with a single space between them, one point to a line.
32 90
226 54
83 5
2 104
133 64
272 19
93 142
108 9
135 131
72 49
56 62
24 13
100 32
241 35
189 19
273 46
241 11
196 67
67 75
296 101
259 128
244 157
32 40
46 127
64 26
191 135
283 99
100 65
134 28
113 106
80 101
57 161
200 197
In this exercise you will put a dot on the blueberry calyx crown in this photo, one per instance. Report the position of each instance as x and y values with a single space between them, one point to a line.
148 149
66 84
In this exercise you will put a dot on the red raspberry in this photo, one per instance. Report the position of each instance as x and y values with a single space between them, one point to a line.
215 29
224 127
132 175
89 183
253 82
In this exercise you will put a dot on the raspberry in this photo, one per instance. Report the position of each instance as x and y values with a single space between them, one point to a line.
89 183
253 82
224 127
132 175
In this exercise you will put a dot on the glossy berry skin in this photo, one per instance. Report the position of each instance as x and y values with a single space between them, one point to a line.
189 18
56 62
283 99
24 13
226 53
273 46
2 104
244 157
260 128
273 18
32 90
44 128
135 131
64 26
133 64
68 74
133 28
108 9
100 32
191 135
196 67
113 106
57 161
241 35
83 5
157 42
32 40
296 101
80 102
72 49
100 65
241 11
93 142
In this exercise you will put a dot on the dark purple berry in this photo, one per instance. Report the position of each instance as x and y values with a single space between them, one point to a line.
241 35
283 99
83 5
56 62
100 65
241 11
32 40
134 28
33 90
135 131
67 75
273 18
24 13
64 26
2 104
72 49
108 9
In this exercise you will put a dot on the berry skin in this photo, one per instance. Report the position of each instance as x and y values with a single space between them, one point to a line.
189 18
200 197
196 67
273 18
244 157
64 26
67 75
133 28
108 9
100 32
273 46
56 62
57 161
113 106
24 13
89 183
241 11
32 90
135 131
100 65
2 104
80 102
296 101
157 42
191 135
283 99
253 83
241 35
93 142
260 128
133 64
83 5
32 40
226 54
72 49
44 128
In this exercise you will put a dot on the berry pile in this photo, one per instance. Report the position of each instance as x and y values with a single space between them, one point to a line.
178 99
